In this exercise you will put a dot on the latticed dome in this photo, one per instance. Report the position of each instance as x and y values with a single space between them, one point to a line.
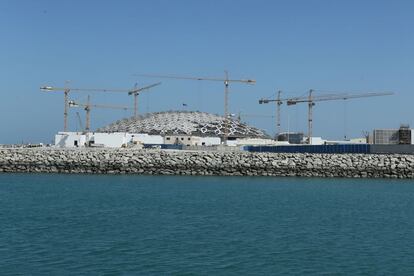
183 123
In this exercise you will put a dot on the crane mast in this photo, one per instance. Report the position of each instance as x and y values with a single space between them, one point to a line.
226 108
278 104
66 108
278 101
310 116
88 114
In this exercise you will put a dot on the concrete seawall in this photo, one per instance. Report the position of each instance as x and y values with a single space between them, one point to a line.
121 161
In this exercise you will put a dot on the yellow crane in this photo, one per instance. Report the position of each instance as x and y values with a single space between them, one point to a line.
311 99
134 91
226 82
88 106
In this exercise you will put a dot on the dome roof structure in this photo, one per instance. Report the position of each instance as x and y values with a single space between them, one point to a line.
183 123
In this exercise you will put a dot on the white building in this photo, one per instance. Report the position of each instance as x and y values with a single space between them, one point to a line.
190 140
362 140
317 141
144 138
70 139
210 141
107 140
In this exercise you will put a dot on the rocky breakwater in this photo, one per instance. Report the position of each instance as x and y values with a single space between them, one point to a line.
121 161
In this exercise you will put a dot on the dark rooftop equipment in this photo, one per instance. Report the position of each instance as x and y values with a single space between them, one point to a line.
404 134
291 137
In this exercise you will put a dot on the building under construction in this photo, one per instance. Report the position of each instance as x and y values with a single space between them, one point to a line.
401 136
169 128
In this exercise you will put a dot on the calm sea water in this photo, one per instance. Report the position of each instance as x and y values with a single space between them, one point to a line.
128 225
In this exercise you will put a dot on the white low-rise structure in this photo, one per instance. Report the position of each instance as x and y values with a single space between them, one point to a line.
210 141
190 140
317 141
144 138
70 139
107 140
361 140
123 139
187 140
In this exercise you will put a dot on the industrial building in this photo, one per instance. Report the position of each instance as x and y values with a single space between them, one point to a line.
401 136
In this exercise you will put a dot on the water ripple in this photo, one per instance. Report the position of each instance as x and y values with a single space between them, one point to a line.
128 225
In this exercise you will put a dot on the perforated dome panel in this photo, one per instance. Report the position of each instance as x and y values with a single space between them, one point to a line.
183 123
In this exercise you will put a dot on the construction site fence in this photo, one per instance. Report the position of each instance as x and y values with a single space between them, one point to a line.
195 148
396 149
163 146
349 148
335 149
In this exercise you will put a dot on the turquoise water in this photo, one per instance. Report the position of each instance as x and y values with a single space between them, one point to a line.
163 225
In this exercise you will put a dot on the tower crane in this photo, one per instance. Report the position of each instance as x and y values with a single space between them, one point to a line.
135 91
278 102
226 82
311 99
88 106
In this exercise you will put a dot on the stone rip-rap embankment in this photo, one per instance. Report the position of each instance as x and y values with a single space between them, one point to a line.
130 161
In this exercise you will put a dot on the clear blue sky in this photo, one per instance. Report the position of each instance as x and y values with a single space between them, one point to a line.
356 46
